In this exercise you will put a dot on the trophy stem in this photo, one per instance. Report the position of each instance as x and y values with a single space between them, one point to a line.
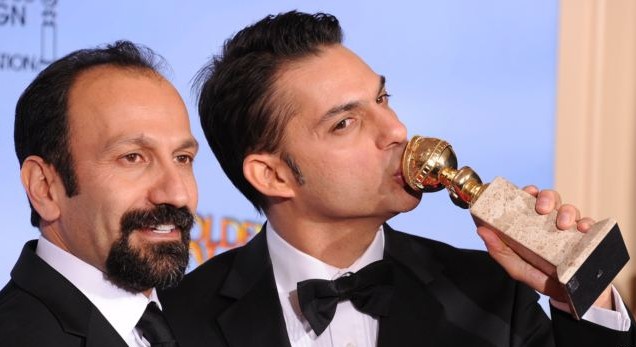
464 185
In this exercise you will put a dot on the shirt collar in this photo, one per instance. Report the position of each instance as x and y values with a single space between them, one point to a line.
292 266
121 308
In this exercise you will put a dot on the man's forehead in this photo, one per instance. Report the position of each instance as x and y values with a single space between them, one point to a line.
108 74
334 76
332 64
103 85
116 103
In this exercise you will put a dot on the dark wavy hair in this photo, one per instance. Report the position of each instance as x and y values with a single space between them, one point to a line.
239 110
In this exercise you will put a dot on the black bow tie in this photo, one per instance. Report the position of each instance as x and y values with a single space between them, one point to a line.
369 290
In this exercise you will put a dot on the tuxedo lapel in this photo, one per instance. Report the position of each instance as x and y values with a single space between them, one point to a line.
75 313
430 308
101 333
415 314
255 318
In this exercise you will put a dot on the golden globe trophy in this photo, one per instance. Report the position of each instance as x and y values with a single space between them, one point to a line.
584 263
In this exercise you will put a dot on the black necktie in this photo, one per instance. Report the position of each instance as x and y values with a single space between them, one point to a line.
154 327
369 290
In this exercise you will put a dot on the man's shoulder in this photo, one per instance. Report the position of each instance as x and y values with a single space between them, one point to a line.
459 264
14 300
441 250
19 303
215 268
26 320
473 273
205 280
199 297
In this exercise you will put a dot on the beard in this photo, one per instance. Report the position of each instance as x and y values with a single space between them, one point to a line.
158 265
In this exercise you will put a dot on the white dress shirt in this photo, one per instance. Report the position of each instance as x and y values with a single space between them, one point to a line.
350 327
121 308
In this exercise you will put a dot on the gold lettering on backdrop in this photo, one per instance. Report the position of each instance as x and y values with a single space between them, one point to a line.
231 233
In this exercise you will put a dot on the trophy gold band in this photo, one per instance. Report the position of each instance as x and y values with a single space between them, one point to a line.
583 263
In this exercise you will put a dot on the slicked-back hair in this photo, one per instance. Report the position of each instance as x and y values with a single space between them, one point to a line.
41 116
239 110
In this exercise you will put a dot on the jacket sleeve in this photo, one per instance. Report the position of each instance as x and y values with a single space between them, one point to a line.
570 332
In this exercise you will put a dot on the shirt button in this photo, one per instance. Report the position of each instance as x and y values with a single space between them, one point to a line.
350 344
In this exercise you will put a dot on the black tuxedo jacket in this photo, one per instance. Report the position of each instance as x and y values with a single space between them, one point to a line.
444 297
39 307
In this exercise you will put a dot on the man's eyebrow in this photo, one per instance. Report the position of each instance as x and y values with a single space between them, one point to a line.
382 84
141 141
189 143
350 105
339 109
145 142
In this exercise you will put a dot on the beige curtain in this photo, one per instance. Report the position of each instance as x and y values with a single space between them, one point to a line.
596 117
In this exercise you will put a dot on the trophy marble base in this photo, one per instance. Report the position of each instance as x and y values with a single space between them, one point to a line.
584 263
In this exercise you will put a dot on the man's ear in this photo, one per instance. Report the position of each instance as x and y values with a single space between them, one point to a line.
269 175
39 179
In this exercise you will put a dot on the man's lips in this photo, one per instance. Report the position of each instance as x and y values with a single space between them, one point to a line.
161 230
397 175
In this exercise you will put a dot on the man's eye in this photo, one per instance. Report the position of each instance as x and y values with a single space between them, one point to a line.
343 124
184 159
384 98
133 157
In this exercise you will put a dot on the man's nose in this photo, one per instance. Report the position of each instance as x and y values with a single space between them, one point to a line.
170 187
391 130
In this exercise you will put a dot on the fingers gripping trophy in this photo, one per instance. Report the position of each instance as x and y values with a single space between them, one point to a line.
583 263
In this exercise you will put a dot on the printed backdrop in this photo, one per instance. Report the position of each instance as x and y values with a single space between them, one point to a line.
480 74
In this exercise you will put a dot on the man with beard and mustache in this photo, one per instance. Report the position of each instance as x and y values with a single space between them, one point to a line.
105 151
302 126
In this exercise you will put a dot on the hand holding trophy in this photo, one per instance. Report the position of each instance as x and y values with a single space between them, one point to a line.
583 263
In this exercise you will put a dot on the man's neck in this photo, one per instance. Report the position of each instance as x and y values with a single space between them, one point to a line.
337 243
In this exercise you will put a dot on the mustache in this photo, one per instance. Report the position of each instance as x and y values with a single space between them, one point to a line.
180 217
